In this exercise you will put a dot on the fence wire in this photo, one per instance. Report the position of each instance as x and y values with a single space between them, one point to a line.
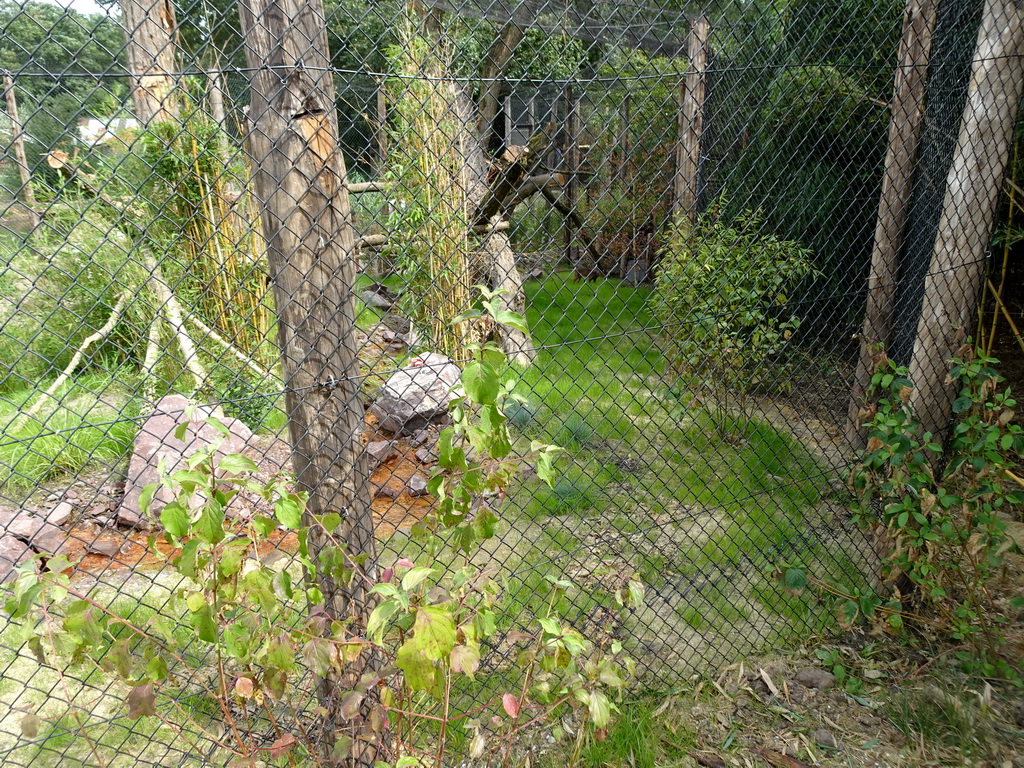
711 217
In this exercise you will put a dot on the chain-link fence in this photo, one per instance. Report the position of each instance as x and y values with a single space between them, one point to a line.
712 220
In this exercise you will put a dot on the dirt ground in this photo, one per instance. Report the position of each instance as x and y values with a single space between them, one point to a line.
859 699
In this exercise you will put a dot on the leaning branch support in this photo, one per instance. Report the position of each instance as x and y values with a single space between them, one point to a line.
99 335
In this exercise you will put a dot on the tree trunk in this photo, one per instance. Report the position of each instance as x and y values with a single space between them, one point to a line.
957 267
897 181
299 176
691 120
496 253
28 196
151 32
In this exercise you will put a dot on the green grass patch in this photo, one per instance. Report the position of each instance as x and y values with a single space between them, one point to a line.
85 425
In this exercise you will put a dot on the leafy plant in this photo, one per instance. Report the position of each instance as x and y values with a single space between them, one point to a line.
944 524
261 619
721 296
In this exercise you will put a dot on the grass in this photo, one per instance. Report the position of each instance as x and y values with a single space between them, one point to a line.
86 425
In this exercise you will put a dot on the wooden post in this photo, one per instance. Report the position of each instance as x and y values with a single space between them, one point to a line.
507 128
623 141
380 129
299 179
692 94
216 97
572 167
958 263
151 30
907 113
28 196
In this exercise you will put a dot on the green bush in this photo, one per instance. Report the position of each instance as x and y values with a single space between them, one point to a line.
721 296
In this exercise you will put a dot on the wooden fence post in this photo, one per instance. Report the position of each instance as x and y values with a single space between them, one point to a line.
572 169
958 263
300 176
906 117
692 95
28 196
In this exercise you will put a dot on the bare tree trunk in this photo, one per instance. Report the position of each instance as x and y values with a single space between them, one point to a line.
151 31
897 180
299 178
28 197
957 267
691 120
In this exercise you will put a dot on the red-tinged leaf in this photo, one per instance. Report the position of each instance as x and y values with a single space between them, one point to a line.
405 563
243 688
465 659
280 747
511 704
387 575
141 701
30 726
350 705
600 734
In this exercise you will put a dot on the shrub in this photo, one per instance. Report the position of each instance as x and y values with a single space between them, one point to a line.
721 296
945 525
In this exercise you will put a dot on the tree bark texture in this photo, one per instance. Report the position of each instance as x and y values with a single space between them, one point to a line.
299 176
957 268
151 35
907 113
28 197
692 96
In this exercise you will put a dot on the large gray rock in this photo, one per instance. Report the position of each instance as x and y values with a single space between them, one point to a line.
418 394
157 451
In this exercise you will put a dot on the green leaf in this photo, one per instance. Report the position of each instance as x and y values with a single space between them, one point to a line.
512 320
288 511
795 579
962 404
237 464
210 527
481 383
174 519
379 617
600 709
264 525
433 639
415 577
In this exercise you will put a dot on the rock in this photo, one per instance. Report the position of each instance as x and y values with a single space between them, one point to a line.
156 445
13 552
417 485
36 531
60 513
417 395
386 492
107 548
372 298
426 455
816 678
422 437
381 451
826 738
